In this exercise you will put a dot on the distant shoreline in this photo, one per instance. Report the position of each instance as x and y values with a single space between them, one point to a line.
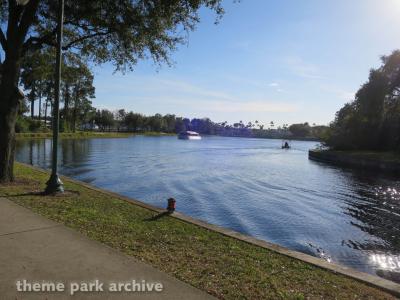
84 134
122 134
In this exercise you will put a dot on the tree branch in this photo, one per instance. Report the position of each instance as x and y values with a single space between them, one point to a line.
81 39
27 19
35 43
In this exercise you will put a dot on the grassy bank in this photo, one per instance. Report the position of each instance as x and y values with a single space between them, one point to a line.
378 161
85 134
371 155
223 266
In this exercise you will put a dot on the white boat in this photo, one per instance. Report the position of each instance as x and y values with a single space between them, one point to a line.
189 135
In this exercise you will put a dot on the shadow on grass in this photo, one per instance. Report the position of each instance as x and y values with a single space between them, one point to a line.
66 193
26 194
159 216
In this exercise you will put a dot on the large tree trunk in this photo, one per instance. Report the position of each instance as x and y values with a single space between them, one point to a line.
9 105
32 98
74 118
19 21
40 106
32 108
67 125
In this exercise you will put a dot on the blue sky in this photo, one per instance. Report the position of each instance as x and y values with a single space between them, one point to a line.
285 61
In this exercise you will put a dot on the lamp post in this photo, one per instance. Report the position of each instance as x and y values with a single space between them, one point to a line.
54 185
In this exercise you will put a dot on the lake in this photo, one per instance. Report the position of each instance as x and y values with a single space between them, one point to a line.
349 217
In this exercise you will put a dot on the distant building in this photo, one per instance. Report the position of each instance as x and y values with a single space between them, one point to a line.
89 126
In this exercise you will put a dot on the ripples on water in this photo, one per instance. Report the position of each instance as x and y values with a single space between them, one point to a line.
249 185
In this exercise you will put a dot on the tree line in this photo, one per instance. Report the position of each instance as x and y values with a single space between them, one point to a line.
121 120
372 120
37 79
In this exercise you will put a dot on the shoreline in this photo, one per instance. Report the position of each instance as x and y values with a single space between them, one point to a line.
85 134
375 161
295 262
122 134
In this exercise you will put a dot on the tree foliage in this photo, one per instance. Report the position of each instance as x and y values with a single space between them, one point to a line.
122 31
372 120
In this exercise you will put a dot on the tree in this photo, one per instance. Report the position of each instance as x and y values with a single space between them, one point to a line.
300 130
372 120
104 119
119 31
155 123
179 125
82 91
133 121
119 116
36 69
169 123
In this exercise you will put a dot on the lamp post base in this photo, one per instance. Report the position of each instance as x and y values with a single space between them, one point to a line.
54 185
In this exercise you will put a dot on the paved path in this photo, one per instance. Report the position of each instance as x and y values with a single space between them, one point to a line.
36 249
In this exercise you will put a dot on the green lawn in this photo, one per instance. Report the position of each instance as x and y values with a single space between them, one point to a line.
222 266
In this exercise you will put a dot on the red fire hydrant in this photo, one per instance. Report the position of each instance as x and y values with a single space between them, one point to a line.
171 205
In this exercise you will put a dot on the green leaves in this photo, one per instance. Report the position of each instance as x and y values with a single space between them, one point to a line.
122 31
371 121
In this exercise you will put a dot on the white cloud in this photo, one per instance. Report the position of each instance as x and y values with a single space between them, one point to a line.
254 107
301 68
185 96
338 92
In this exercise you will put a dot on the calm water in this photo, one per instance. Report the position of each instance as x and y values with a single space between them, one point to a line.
249 185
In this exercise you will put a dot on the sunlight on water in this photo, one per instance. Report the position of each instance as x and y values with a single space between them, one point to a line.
386 262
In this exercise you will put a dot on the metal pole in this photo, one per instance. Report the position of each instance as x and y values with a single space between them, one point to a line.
54 185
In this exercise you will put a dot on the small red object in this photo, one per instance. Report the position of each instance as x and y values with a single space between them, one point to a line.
171 204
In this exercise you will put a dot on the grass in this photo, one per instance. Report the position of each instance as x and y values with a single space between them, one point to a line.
224 267
85 134
381 156
374 155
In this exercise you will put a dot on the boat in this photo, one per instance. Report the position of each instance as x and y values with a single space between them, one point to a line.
285 145
189 135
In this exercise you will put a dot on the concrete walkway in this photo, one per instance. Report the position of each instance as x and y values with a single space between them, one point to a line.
39 250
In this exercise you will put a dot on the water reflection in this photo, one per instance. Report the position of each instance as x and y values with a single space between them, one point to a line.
375 209
252 186
73 154
386 262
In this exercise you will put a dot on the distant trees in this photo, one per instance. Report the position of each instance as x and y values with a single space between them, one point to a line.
135 122
104 119
372 120
300 130
77 88
77 92
37 70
